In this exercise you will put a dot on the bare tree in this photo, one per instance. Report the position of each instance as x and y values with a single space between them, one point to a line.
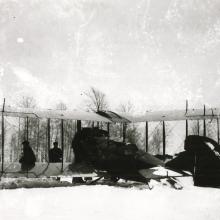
133 134
127 107
27 102
30 123
96 100
156 139
34 129
69 130
27 127
61 106
197 128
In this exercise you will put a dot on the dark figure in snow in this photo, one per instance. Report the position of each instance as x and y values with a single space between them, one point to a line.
55 154
28 158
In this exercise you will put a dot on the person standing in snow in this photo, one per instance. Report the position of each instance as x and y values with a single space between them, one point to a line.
28 158
55 154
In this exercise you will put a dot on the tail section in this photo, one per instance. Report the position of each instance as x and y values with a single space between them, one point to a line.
202 158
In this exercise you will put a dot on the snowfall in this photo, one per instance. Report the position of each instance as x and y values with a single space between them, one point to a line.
111 202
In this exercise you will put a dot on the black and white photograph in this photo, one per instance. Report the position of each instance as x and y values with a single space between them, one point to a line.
109 109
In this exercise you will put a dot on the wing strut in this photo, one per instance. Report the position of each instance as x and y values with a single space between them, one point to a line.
108 129
146 137
186 128
164 140
218 130
48 137
124 127
78 125
3 135
186 119
204 124
27 128
62 143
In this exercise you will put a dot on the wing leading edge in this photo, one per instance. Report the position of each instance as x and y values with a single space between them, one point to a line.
108 116
174 115
53 114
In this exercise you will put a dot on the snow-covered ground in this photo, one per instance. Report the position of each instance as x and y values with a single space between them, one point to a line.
110 202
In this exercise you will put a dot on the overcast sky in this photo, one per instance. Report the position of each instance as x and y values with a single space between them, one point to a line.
155 53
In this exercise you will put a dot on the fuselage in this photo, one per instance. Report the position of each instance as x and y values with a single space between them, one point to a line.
117 158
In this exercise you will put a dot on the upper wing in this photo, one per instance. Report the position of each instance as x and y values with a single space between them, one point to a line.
53 114
108 116
174 115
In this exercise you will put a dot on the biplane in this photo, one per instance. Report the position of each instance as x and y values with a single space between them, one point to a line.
104 156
